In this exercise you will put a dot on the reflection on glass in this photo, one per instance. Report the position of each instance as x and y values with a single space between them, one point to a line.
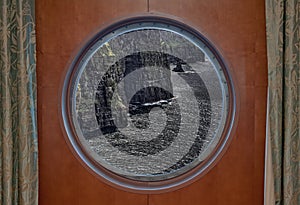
149 104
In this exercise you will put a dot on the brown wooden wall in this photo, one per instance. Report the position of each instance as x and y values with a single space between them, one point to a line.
237 28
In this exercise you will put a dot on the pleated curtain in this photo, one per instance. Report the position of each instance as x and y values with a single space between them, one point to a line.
283 46
18 123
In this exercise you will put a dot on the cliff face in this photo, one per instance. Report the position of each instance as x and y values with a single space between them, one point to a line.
140 49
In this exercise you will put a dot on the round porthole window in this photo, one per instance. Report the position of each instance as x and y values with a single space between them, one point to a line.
148 104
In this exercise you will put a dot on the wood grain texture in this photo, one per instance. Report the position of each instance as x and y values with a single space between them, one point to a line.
62 26
237 29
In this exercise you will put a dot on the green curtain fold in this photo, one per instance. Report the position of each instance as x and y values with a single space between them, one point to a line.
283 45
18 130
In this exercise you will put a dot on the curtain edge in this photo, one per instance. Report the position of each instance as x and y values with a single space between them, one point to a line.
269 192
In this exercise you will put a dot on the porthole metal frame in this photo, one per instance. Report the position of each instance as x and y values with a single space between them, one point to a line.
72 78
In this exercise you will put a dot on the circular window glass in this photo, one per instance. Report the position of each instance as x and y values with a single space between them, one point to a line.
147 101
